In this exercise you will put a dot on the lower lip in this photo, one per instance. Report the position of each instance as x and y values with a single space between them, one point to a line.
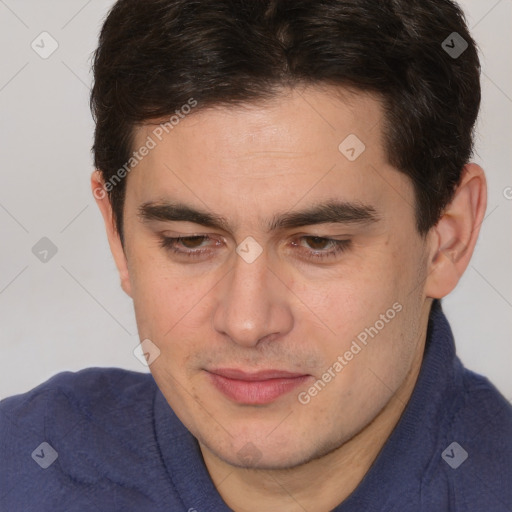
257 392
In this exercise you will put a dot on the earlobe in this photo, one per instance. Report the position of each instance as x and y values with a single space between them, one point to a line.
454 237
118 253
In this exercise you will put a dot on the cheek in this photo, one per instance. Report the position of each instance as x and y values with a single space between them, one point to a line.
163 305
155 296
354 301
172 310
363 316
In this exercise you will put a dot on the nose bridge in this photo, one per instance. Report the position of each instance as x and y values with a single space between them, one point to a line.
250 306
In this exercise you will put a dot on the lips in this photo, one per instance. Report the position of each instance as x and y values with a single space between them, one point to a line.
255 388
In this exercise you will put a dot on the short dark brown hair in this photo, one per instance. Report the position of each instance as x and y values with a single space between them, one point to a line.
155 55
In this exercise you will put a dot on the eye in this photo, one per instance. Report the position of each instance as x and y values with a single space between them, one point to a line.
311 247
191 246
321 247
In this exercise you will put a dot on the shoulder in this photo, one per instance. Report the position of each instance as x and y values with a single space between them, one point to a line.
476 448
77 431
485 421
485 406
89 390
95 398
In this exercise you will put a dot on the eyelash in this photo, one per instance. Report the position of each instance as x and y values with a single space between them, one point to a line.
340 246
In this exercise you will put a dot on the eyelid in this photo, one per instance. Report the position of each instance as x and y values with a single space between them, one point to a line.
340 246
169 243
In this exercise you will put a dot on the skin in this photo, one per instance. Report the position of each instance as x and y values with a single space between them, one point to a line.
287 310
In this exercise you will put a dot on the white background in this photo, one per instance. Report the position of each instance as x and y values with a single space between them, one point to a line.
70 313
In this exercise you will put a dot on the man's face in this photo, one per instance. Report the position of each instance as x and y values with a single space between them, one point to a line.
222 317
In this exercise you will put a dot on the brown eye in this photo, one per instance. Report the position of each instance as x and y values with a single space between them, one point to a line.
192 242
191 246
318 247
317 243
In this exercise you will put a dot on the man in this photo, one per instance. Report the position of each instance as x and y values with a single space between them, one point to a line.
287 195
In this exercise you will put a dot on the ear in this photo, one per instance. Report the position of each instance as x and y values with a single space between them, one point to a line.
103 202
454 237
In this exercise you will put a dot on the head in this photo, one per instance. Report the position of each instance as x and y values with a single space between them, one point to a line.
313 158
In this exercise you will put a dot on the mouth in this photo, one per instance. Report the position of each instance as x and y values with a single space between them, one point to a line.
255 388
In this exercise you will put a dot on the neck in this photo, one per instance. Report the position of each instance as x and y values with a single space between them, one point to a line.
320 484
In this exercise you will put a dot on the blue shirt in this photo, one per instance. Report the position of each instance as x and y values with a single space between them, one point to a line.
114 444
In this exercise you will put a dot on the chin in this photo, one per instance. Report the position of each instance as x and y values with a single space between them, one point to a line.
283 454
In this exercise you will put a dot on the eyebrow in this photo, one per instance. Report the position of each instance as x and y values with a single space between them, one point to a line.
337 212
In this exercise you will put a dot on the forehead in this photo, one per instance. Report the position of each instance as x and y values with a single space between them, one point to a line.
301 146
293 122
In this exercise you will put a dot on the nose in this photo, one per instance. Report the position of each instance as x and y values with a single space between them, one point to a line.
252 304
